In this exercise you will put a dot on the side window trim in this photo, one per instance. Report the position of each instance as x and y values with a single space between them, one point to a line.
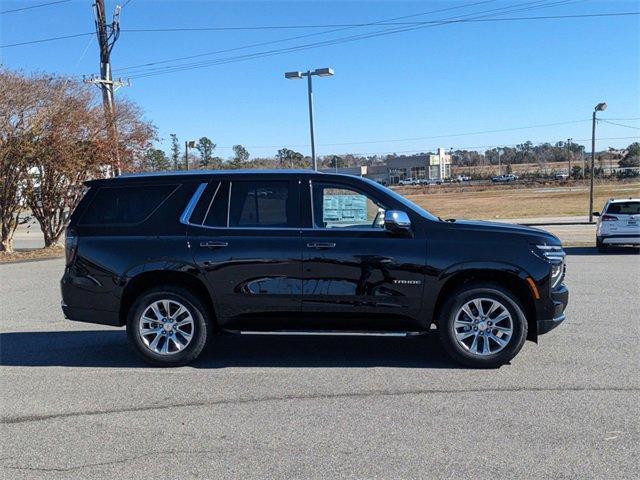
229 205
186 215
313 217
204 219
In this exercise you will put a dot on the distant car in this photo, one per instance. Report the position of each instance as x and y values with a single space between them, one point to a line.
618 223
562 176
462 178
408 181
504 178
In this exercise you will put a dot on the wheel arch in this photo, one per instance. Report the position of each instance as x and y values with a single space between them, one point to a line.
152 278
512 281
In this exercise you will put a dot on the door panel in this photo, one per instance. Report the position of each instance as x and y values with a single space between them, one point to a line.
251 272
254 267
369 278
362 275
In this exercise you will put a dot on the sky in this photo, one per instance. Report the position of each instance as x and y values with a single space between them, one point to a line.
391 93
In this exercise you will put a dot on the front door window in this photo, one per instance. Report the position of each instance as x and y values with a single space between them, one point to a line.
336 206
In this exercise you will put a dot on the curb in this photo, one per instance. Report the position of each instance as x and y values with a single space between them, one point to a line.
555 224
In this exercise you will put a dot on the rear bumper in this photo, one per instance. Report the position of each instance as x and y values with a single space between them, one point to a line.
619 239
560 299
91 316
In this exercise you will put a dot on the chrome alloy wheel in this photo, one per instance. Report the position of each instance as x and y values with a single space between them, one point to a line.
483 326
166 327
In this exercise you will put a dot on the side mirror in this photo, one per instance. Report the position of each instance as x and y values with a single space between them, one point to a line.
397 221
596 214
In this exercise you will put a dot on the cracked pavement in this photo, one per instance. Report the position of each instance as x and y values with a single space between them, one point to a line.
77 403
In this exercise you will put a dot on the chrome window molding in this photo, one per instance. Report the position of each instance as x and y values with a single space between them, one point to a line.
186 215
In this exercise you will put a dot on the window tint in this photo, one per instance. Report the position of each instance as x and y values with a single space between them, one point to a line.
216 215
337 206
212 206
125 205
624 208
262 204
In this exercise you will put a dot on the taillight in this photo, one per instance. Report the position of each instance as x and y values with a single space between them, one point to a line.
70 246
609 218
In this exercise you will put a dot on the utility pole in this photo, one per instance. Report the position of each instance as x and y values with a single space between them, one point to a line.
601 107
188 144
107 36
582 158
569 140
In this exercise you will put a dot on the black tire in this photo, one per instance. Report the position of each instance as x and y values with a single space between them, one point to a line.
602 248
200 333
460 297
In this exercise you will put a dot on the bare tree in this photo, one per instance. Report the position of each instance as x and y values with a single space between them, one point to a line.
21 122
54 139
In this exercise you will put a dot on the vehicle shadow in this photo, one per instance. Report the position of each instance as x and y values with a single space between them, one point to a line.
594 251
110 349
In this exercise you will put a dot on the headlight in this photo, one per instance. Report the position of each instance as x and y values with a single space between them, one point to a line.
556 257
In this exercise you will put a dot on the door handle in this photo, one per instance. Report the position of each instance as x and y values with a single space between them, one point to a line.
320 245
213 244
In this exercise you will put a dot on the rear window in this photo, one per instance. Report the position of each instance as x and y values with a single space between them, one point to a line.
125 205
624 208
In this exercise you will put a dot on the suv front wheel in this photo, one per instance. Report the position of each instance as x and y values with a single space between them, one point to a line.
168 326
482 326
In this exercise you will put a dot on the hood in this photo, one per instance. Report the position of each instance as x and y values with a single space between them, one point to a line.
537 235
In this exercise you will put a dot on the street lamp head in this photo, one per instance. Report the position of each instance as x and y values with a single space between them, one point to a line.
293 75
323 72
601 107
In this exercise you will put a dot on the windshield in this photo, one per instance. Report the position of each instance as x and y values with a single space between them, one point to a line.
403 200
624 208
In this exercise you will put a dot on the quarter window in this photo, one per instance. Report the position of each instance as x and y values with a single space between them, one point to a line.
125 205
338 206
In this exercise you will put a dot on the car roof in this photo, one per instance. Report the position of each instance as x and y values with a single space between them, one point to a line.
205 175
620 200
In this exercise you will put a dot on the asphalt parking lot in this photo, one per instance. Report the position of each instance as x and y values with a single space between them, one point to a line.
77 403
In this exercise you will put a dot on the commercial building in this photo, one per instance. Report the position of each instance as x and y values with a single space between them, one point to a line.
422 167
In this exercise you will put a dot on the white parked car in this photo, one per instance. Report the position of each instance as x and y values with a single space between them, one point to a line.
618 223
407 181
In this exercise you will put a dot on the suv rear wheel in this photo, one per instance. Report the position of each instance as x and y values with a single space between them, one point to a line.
482 326
168 326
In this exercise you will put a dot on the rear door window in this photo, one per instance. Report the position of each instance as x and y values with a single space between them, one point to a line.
624 208
125 205
263 204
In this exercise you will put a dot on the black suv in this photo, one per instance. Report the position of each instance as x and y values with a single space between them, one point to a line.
180 257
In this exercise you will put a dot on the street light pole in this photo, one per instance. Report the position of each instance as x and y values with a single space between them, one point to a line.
599 108
321 72
311 129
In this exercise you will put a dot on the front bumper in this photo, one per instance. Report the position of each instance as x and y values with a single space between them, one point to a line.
560 299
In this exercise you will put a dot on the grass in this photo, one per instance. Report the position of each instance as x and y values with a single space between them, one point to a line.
502 201
32 254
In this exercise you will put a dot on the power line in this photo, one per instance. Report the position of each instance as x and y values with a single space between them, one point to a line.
479 147
49 39
33 6
500 130
298 37
619 124
176 68
350 25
